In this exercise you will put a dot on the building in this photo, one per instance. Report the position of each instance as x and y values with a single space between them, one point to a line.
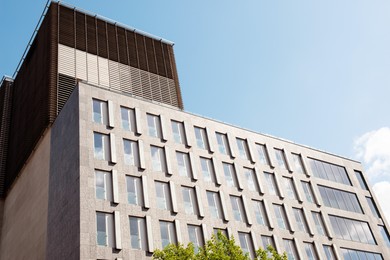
99 161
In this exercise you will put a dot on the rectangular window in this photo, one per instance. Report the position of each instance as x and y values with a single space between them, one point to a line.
262 154
189 199
298 163
267 241
328 171
289 188
101 143
280 215
128 119
103 184
352 254
158 159
271 183
223 231
178 132
300 220
353 230
168 233
134 190
163 195
243 149
319 222
280 158
201 138
251 180
223 144
230 175
238 208
195 235
260 212
308 191
310 252
372 206
290 248
246 244
385 235
154 125
138 233
214 202
362 182
100 114
183 164
207 169
328 250
340 199
105 229
131 154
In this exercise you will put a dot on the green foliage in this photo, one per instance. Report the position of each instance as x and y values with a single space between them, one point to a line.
219 247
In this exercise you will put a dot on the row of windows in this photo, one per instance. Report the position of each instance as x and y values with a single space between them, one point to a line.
168 234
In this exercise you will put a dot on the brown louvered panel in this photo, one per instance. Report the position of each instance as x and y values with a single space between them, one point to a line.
143 64
145 82
165 95
174 95
80 32
159 58
91 35
136 81
132 48
66 85
102 39
167 62
66 26
113 68
155 86
150 55
112 42
178 98
122 46
125 78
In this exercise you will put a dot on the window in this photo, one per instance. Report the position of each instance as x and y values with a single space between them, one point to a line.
267 241
99 109
280 215
385 235
308 191
340 199
154 125
207 169
158 159
128 119
168 233
183 164
223 145
103 184
238 208
223 232
251 180
246 244
298 163
353 230
201 138
281 158
134 190
310 252
131 152
352 254
105 229
178 132
163 195
189 199
214 202
300 220
271 183
230 175
290 248
319 222
195 235
101 144
328 250
243 149
372 206
260 212
289 188
138 233
262 154
362 182
328 171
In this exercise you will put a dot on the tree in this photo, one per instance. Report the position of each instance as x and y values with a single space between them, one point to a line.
219 247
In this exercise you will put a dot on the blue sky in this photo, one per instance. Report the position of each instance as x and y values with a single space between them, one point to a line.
314 72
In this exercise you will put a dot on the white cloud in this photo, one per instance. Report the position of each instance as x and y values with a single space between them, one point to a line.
373 149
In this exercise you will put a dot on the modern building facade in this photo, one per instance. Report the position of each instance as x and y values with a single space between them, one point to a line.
113 168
